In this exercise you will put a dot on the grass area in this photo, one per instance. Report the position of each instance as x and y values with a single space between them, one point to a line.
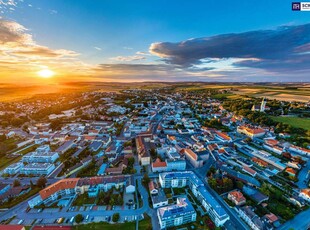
144 224
294 121
84 199
202 222
27 150
222 95
106 226
6 161
90 170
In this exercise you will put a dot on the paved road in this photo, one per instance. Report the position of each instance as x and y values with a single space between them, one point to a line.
303 176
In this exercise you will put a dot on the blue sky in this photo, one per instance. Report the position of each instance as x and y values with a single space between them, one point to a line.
116 33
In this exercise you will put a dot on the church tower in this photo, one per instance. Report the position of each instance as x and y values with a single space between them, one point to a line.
263 104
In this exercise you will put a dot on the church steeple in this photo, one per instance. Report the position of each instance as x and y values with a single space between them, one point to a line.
263 104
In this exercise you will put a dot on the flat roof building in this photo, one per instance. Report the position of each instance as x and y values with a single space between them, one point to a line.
177 214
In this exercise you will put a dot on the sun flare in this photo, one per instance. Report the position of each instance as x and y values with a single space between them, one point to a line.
45 73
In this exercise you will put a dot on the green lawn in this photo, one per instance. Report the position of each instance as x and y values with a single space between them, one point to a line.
83 199
222 95
294 121
144 224
106 226
5 161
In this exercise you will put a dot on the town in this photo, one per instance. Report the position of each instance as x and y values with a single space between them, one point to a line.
154 159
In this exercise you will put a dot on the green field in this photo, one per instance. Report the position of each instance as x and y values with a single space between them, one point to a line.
144 224
294 121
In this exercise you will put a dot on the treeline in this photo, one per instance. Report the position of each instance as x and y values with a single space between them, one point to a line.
239 107
9 120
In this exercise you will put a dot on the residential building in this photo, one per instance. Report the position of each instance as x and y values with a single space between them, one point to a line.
40 157
13 168
37 169
299 150
65 146
174 215
144 144
305 194
159 199
168 165
193 158
291 172
249 216
251 132
236 197
189 178
74 186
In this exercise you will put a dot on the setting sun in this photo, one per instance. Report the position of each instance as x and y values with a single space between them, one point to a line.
46 73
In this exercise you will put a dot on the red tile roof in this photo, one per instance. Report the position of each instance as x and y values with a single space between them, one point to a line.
159 164
69 183
52 228
259 162
223 135
249 170
191 154
11 227
306 191
271 217
237 195
290 170
271 142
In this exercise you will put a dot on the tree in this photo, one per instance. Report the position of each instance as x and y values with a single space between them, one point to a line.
78 218
112 202
146 179
153 153
115 217
239 185
16 183
247 140
55 124
41 182
131 161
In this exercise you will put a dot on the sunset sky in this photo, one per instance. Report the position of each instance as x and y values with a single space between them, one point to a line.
111 40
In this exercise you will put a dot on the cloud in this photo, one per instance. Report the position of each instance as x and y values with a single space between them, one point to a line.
7 5
128 58
152 72
53 11
13 33
97 48
127 48
143 53
8 2
21 55
275 50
